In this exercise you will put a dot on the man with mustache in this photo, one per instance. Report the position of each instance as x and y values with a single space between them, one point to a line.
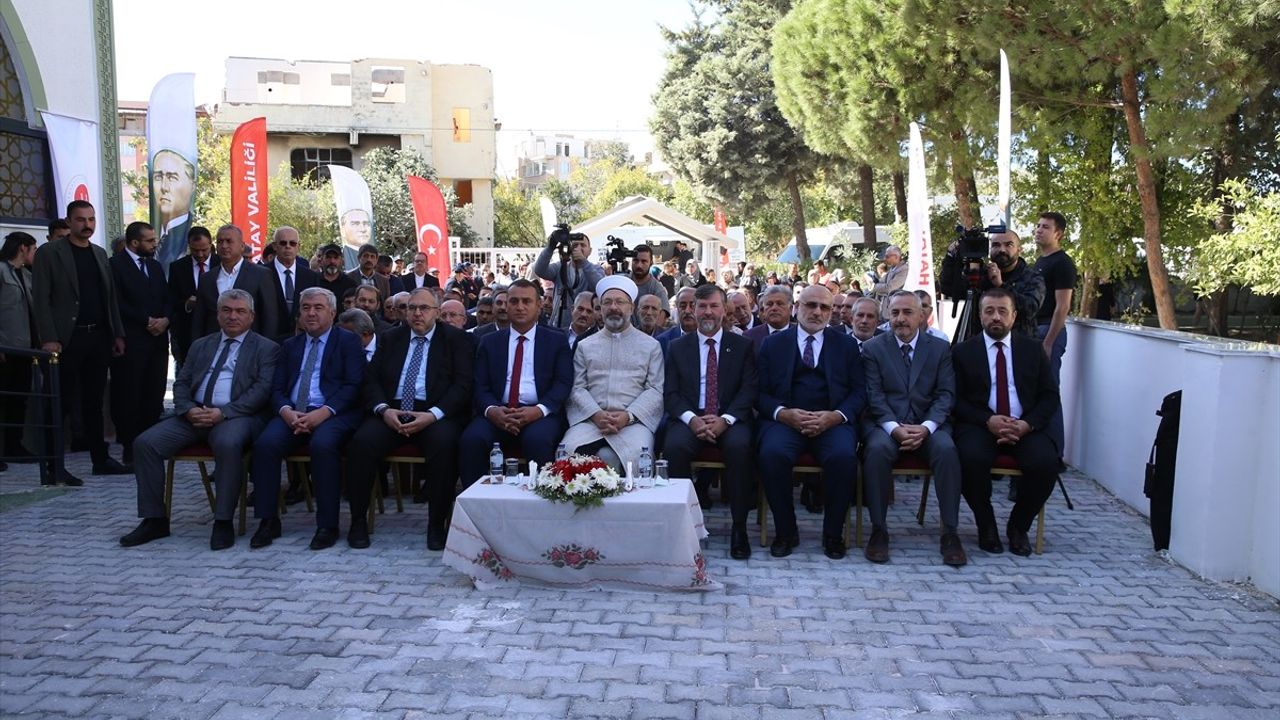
685 320
332 278
1006 270
617 401
775 315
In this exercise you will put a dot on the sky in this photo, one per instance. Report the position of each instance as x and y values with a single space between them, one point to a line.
587 68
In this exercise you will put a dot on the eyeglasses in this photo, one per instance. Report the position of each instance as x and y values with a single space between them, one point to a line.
287 243
420 308
812 305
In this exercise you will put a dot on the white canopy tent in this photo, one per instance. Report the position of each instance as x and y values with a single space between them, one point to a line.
639 208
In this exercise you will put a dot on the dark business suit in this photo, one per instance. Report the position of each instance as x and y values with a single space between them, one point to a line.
665 337
253 279
138 377
927 394
1036 453
379 281
303 278
448 368
486 329
341 372
785 383
553 380
255 365
409 281
758 333
182 285
574 340
736 397
60 313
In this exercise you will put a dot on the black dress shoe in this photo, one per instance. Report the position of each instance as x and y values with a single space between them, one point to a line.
833 546
69 480
783 545
324 538
294 495
111 467
358 535
739 545
223 535
1019 544
149 529
437 535
953 550
989 540
268 530
877 550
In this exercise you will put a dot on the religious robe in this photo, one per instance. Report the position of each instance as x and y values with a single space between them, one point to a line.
621 371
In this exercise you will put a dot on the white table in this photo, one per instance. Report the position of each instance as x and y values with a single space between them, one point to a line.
642 540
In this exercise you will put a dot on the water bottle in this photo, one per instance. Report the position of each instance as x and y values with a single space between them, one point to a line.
644 468
495 463
562 452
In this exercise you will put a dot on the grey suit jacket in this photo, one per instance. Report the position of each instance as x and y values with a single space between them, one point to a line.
928 394
253 279
250 385
15 306
55 292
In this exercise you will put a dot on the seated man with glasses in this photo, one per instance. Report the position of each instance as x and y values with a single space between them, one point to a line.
418 390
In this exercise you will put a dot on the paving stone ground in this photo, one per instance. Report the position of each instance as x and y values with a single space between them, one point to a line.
1097 626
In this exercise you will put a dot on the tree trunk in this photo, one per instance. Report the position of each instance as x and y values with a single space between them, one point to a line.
899 196
1149 202
960 174
866 188
797 220
1089 294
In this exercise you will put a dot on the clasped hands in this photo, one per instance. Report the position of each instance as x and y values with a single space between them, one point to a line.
910 437
810 423
512 420
157 325
1007 430
708 428
302 423
204 417
611 422
421 420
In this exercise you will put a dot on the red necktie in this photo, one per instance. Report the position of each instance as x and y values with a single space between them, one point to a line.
201 268
513 397
713 380
1002 382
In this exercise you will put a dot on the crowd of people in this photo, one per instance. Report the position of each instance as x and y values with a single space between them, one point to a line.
274 358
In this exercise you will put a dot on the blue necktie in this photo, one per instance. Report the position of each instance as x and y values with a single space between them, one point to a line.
407 392
303 401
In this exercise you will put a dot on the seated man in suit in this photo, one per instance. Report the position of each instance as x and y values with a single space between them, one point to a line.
231 271
865 323
218 397
1005 398
710 394
775 315
811 393
910 393
316 398
523 376
418 389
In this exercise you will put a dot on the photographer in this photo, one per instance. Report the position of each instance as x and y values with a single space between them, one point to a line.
573 273
1005 270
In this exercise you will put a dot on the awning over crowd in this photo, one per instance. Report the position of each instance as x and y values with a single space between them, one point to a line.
639 209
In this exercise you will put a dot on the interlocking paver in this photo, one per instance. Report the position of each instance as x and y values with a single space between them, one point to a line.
1097 626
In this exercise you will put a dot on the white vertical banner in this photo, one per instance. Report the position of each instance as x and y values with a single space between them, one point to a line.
548 210
355 212
73 143
919 244
1004 140
171 162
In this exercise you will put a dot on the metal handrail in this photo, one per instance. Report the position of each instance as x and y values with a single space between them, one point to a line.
46 388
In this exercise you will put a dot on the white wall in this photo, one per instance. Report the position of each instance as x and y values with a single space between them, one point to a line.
1227 486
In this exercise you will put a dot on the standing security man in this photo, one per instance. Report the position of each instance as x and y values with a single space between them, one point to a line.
138 377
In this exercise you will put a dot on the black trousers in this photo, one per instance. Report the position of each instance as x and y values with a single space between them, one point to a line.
1037 459
82 371
680 447
438 444
15 377
138 380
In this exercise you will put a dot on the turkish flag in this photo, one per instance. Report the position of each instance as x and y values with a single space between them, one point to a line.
249 182
432 221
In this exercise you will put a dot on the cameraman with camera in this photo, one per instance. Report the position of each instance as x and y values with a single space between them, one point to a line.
965 266
573 273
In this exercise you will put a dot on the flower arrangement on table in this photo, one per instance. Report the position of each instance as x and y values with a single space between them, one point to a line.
584 480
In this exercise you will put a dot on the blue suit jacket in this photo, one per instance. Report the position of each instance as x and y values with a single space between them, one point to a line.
552 369
665 337
341 371
845 384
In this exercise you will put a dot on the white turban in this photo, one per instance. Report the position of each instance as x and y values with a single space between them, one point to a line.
617 282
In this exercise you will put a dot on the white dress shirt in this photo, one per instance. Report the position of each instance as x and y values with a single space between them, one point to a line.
227 280
890 425
1015 405
419 382
137 261
371 348
528 392
293 272
688 415
222 388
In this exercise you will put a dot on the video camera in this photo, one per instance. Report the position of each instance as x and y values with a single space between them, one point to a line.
972 245
618 255
561 239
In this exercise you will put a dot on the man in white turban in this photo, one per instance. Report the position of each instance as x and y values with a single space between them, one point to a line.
617 390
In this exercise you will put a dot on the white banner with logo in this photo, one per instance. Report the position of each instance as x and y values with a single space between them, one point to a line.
77 175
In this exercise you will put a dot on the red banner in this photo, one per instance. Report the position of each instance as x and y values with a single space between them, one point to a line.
432 220
249 182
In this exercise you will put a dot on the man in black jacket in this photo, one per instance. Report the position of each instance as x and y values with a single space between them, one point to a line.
1005 397
184 278
138 377
1006 270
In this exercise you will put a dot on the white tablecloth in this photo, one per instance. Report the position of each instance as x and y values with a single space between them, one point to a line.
641 540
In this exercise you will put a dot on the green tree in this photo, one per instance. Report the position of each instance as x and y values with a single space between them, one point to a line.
517 218
616 152
1249 253
625 182
716 119
395 232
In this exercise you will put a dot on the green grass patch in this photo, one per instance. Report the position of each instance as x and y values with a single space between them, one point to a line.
15 500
